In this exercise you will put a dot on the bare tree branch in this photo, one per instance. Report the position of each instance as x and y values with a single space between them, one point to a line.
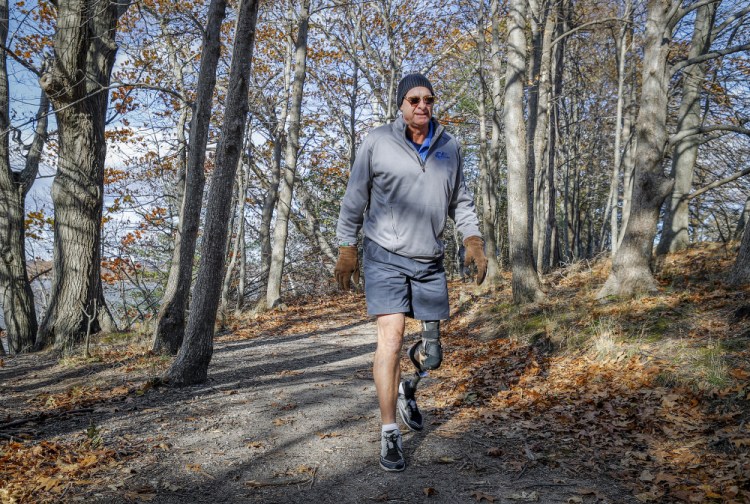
713 185
707 56
673 139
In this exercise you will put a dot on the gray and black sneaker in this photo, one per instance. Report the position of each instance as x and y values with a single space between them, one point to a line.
391 451
407 407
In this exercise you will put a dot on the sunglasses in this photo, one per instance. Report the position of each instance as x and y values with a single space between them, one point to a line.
414 100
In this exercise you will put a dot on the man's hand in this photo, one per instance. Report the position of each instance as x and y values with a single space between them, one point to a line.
475 254
346 266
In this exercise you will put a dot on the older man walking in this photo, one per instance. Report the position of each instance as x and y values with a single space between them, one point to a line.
406 181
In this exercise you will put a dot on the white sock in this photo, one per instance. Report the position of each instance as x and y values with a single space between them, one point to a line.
390 427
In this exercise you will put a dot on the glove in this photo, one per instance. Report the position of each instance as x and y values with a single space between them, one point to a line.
346 266
475 254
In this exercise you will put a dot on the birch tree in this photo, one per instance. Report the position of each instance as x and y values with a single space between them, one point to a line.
286 187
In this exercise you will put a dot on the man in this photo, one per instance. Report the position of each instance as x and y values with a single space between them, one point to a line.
407 179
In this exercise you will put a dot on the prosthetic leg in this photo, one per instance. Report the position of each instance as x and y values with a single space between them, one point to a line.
426 354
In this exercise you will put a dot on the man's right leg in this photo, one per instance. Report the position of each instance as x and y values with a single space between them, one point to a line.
386 372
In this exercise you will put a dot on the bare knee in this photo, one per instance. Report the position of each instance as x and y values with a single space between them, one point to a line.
390 334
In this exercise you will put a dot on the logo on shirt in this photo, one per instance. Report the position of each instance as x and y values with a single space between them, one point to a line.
442 155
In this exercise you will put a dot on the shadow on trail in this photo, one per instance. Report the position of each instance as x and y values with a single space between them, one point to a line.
267 370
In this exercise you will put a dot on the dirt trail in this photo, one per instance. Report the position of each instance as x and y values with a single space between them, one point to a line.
284 419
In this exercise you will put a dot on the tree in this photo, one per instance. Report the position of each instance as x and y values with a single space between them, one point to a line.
631 266
191 364
16 296
525 283
631 269
740 272
171 321
674 234
77 83
284 204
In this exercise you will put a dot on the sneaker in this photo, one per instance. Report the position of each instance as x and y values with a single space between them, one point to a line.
391 451
407 407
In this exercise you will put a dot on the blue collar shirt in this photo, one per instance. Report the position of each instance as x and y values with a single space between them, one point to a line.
422 149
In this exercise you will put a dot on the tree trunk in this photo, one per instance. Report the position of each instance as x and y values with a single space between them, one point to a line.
191 364
676 218
495 153
541 139
286 187
740 272
742 221
612 203
235 248
84 44
16 296
488 152
525 284
631 269
628 158
170 324
272 195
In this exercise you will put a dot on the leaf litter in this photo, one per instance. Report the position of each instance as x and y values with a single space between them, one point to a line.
652 392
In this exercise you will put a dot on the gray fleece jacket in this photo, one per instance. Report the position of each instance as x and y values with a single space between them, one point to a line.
402 201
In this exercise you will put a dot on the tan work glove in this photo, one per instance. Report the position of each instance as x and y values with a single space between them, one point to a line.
346 266
475 254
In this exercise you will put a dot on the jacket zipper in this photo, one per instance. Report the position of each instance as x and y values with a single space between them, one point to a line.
435 136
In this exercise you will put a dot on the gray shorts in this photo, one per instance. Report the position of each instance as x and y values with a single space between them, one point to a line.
398 284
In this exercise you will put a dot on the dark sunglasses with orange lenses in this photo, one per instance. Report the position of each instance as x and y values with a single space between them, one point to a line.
414 100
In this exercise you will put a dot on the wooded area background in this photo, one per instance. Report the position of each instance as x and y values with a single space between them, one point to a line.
198 151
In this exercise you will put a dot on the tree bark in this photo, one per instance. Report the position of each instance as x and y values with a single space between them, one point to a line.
191 364
631 266
612 203
286 186
16 295
541 139
170 324
675 234
236 246
488 169
742 221
495 151
84 45
740 272
525 283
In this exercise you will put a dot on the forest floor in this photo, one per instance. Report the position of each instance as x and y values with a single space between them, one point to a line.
569 400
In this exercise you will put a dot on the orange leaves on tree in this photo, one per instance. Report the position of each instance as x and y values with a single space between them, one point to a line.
36 223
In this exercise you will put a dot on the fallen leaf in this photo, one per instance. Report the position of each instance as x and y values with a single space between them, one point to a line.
326 435
574 500
481 496
429 491
646 476
495 452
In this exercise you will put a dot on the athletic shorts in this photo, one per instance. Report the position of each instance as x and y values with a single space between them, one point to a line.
398 284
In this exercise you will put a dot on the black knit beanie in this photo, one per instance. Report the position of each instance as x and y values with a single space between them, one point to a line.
411 81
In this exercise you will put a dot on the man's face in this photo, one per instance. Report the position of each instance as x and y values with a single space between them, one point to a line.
417 116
